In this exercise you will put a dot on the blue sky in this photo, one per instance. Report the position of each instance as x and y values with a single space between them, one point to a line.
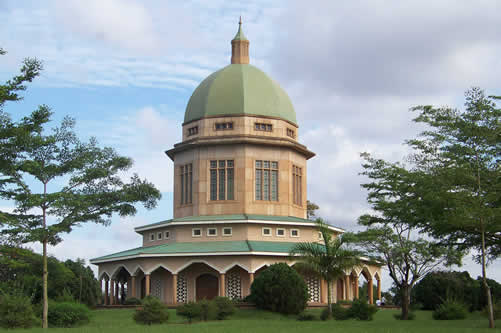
125 69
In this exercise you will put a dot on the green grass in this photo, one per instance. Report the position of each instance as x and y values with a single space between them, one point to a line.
253 321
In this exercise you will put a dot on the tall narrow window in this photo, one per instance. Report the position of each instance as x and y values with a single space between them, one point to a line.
267 180
186 184
222 180
297 185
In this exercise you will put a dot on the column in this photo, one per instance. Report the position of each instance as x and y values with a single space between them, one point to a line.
370 286
346 287
323 291
251 280
117 292
112 292
349 291
147 284
222 289
379 289
356 287
174 288
106 292
133 286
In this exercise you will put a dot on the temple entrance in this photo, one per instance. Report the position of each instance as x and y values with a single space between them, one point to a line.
207 286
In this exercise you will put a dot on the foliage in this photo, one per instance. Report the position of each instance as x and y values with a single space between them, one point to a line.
153 311
280 288
207 309
68 314
458 158
329 260
21 270
305 316
363 292
189 310
450 310
361 310
224 307
325 314
437 286
311 209
16 311
391 237
132 301
339 312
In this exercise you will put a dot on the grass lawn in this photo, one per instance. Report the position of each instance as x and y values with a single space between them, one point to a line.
252 321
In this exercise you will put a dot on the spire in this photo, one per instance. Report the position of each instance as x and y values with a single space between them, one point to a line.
240 47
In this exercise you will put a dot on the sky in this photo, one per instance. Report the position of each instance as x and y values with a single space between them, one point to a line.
125 69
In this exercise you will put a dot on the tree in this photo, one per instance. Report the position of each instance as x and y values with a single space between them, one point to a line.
459 154
329 259
311 209
80 182
390 236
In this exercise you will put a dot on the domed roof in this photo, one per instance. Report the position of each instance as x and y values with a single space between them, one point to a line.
239 89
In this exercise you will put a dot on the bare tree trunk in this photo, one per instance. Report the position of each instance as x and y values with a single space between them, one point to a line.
45 298
405 302
44 279
490 310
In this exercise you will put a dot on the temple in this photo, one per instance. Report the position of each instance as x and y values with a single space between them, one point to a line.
240 195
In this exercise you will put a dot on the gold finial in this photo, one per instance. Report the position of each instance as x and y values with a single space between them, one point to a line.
240 22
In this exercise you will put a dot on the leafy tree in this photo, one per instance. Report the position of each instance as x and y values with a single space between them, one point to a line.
459 154
390 236
329 259
311 209
80 182
85 288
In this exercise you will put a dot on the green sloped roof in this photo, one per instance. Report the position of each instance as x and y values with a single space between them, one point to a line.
240 34
234 217
239 89
204 247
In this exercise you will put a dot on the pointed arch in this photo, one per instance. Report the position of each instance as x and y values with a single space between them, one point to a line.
137 269
197 261
117 270
151 270
259 267
100 276
235 264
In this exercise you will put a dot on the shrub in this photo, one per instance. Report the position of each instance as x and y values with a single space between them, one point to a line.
189 310
16 311
132 301
304 316
450 310
325 314
410 316
280 288
224 307
207 309
361 310
339 312
153 311
67 314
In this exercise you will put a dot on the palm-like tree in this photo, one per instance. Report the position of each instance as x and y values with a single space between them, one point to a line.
328 260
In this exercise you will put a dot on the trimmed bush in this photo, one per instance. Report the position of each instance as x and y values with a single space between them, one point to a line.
16 311
132 301
280 288
68 314
153 311
224 307
450 310
339 312
361 310
189 310
207 309
304 316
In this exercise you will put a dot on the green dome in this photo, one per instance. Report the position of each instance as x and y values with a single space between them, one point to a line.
239 89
